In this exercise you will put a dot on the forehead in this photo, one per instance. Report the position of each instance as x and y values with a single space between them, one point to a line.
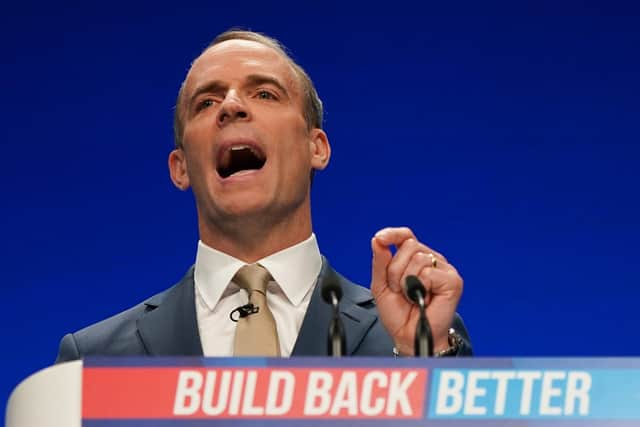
233 59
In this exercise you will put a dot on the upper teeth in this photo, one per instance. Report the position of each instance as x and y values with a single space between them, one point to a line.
239 147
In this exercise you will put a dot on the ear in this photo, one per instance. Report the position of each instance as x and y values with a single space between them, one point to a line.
178 169
320 149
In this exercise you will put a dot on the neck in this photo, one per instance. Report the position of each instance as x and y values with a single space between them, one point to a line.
251 239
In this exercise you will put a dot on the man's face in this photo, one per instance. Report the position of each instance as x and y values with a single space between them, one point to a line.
247 150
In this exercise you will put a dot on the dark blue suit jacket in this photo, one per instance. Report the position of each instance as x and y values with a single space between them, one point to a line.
166 325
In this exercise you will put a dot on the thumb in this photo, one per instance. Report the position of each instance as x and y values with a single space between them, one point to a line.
381 258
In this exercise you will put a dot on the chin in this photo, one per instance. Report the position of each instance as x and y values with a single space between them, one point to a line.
244 205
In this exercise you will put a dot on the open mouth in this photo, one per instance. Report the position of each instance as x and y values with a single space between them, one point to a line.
240 158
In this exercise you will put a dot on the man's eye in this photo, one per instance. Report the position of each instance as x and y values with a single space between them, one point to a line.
206 103
263 94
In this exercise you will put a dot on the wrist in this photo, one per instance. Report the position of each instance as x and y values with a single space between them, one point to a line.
455 342
441 343
401 350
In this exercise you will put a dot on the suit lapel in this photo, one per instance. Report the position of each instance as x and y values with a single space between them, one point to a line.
312 339
171 327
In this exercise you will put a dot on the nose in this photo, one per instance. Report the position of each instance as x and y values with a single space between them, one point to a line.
232 109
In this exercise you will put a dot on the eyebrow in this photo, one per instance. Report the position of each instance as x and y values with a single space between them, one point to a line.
261 79
214 86
217 86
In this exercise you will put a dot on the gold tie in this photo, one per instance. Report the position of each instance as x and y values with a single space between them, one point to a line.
256 334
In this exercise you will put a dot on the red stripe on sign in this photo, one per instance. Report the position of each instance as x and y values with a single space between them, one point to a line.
230 392
128 392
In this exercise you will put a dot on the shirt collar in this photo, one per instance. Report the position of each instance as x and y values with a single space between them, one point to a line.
295 269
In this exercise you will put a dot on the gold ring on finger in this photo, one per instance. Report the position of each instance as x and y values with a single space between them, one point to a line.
434 260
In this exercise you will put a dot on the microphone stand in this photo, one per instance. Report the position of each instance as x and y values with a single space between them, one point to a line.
415 291
423 343
336 341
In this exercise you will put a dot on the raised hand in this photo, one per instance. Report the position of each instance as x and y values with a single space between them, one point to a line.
388 274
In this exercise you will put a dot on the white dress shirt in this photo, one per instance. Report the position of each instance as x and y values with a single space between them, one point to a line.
295 271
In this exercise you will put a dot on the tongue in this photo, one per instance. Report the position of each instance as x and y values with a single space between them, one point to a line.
234 161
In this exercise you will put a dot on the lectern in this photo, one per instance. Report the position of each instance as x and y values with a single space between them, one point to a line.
455 392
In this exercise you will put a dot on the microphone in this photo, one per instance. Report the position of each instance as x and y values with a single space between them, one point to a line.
243 311
331 292
336 341
415 291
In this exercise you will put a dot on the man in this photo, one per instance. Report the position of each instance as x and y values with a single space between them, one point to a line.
248 129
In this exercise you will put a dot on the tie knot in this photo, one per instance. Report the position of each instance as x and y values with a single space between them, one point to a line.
253 277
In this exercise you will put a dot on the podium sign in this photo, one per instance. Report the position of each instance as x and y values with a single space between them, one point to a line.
360 392
349 392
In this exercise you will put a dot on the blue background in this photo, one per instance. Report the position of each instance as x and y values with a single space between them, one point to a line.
505 134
